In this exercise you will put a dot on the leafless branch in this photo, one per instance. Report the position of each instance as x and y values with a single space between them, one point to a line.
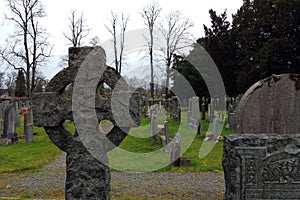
78 30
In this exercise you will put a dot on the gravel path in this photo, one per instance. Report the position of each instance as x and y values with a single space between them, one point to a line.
49 184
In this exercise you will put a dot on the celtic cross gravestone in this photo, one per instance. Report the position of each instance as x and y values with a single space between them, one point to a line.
88 176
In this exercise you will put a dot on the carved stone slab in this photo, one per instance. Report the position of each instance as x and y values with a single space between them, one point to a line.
262 166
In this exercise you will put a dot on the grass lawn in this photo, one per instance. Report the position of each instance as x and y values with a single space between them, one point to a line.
30 157
141 153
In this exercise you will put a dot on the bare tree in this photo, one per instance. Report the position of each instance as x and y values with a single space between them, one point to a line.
113 31
78 30
10 82
27 48
175 29
1 79
150 14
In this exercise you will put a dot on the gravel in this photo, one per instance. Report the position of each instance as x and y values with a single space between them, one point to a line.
49 184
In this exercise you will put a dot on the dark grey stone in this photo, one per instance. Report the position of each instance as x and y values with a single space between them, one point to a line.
262 161
262 166
9 126
271 105
176 112
29 133
87 177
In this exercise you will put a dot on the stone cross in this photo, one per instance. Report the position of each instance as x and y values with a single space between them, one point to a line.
87 177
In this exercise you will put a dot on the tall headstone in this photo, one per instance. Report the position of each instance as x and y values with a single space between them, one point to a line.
194 112
153 126
28 127
203 111
262 160
175 106
231 117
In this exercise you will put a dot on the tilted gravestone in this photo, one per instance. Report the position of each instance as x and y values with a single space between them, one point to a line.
87 177
262 161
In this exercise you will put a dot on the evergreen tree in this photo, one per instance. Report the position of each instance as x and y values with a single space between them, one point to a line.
220 44
187 70
267 35
20 90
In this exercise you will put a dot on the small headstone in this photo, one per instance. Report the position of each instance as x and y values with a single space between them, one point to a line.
175 150
29 133
5 141
203 111
209 113
185 162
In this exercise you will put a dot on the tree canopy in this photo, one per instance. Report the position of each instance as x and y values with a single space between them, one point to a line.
262 39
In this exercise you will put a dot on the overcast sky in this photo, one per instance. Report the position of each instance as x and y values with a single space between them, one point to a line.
97 14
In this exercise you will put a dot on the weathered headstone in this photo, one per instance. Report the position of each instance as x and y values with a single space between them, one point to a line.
203 111
231 117
87 176
176 112
271 106
194 113
262 160
175 150
165 139
9 127
28 127
153 126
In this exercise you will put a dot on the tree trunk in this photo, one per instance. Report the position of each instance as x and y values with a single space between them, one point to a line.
167 78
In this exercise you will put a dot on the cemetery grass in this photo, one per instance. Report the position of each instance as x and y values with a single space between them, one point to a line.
31 157
28 157
211 162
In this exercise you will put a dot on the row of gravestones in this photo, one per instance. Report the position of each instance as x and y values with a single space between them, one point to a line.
171 104
10 120
172 146
214 117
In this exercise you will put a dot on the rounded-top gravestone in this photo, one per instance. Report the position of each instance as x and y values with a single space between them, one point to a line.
272 105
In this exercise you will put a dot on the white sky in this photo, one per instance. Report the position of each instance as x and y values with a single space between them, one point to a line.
97 14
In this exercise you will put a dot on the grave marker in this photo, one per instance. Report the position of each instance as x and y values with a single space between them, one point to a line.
175 150
87 177
262 160
9 127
